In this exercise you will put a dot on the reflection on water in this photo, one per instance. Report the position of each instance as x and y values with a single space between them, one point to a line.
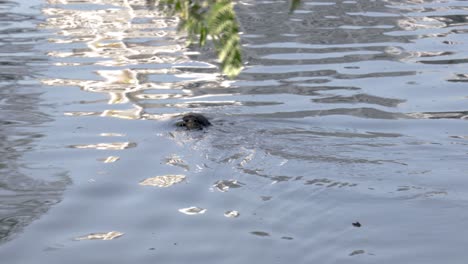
192 210
110 159
260 233
342 112
225 185
107 146
101 236
175 160
163 181
28 188
231 214
214 19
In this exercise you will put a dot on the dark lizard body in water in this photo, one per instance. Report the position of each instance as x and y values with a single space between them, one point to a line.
193 121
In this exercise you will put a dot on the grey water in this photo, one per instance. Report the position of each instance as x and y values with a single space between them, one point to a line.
345 112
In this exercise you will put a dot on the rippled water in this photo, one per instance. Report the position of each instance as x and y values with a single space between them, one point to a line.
345 112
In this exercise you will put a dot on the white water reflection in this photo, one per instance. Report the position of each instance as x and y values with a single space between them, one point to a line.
193 210
101 236
232 214
143 42
163 181
175 160
106 146
110 159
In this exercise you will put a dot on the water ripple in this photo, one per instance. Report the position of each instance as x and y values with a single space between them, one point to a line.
345 111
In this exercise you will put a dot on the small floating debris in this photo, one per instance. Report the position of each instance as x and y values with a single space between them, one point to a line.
225 185
287 238
231 214
357 224
101 236
192 210
163 181
357 252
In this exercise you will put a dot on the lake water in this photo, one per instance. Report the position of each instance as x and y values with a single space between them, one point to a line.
345 112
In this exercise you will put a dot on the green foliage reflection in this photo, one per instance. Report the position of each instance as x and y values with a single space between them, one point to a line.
210 19
294 5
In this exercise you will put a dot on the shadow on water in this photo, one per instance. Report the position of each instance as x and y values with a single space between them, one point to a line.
27 189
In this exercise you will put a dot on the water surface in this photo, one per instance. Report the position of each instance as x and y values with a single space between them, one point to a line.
346 111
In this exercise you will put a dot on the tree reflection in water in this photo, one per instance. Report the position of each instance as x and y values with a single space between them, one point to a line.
294 5
213 19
